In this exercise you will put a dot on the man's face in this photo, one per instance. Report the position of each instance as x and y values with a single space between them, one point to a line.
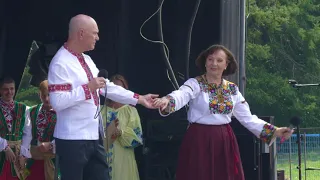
7 92
89 36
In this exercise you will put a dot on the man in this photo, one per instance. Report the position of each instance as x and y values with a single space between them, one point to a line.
43 120
15 133
73 88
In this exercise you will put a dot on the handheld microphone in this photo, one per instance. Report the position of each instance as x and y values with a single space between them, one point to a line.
294 122
103 73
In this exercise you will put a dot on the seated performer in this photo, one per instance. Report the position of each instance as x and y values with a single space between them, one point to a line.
126 137
15 133
43 119
209 150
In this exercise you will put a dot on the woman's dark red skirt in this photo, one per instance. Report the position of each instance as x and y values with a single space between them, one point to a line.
209 152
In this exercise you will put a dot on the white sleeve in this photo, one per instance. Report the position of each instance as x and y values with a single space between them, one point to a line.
179 98
119 94
3 144
27 136
62 94
258 127
114 92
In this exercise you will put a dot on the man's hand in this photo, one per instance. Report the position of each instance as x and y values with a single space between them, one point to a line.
10 155
97 83
148 100
45 147
22 162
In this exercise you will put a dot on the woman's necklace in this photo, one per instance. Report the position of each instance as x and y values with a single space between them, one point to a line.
218 88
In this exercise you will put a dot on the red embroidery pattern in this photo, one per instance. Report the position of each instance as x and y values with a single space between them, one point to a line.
59 87
44 119
8 113
87 70
86 91
136 96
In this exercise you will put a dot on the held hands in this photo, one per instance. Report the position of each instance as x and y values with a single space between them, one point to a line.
45 147
161 103
97 83
283 132
148 100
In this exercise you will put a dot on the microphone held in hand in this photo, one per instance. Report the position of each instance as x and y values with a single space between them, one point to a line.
294 122
103 73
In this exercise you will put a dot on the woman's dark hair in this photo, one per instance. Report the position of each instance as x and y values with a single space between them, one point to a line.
232 63
120 78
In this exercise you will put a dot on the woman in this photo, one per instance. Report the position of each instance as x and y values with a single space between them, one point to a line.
128 135
209 150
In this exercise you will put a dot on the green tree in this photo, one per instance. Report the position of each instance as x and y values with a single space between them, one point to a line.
283 43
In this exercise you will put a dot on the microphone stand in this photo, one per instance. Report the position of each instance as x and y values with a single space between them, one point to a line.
295 84
299 151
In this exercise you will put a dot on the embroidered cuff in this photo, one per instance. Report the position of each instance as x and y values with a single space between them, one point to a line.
267 133
136 96
59 87
86 91
170 108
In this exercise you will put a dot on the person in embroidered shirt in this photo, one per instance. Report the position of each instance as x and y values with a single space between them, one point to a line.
209 150
43 119
15 132
73 89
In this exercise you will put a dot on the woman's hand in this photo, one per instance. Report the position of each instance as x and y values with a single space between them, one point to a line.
161 103
284 132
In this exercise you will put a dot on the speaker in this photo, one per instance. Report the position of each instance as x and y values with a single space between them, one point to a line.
158 157
257 157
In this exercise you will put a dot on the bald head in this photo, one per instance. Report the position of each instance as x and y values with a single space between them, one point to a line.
83 33
79 22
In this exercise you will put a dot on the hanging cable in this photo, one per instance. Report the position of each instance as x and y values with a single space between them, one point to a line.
195 12
170 72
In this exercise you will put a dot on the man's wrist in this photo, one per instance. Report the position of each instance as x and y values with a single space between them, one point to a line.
140 98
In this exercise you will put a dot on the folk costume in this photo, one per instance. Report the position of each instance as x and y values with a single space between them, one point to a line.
15 133
78 132
209 150
41 166
120 155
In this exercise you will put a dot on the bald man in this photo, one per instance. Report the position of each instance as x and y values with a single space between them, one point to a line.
74 94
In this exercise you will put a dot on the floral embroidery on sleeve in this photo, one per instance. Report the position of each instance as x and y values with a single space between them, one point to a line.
267 132
172 104
136 142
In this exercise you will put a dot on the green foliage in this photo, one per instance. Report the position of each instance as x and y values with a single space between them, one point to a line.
26 93
283 42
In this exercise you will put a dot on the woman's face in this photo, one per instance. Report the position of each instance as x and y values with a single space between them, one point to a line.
216 63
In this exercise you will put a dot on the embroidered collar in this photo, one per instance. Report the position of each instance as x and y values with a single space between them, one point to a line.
7 105
72 52
223 82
